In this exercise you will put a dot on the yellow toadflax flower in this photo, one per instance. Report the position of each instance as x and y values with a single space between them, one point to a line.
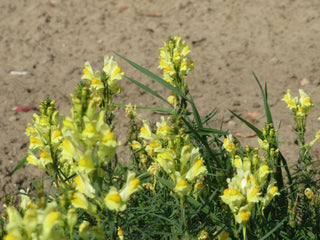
132 185
182 187
196 170
229 145
87 71
83 184
113 200
114 72
291 102
309 193
116 200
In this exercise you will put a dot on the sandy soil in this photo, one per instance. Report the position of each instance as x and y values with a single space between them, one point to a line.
51 40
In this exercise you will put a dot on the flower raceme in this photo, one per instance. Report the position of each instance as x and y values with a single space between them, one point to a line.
301 106
175 65
172 152
245 187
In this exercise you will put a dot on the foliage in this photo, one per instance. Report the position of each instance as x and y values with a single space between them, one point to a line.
186 180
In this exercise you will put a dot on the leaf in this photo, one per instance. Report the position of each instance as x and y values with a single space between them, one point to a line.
208 131
273 230
154 77
265 99
147 89
196 113
256 130
21 163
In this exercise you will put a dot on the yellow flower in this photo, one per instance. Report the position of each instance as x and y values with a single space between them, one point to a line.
243 216
136 145
172 100
11 236
83 184
14 220
120 233
305 102
56 136
233 198
309 193
291 102
35 142
80 201
132 185
223 236
145 130
203 235
112 70
131 110
96 84
197 169
166 161
253 195
182 188
90 134
25 199
237 162
300 112
228 144
262 174
85 165
50 220
87 71
272 191
113 200
84 231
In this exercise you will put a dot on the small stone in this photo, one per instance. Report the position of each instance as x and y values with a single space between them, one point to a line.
232 123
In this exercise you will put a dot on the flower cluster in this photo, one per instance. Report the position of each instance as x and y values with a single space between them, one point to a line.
300 107
76 152
39 223
45 136
245 188
173 154
175 65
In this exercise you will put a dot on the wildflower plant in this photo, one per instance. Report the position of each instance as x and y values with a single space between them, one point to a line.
186 179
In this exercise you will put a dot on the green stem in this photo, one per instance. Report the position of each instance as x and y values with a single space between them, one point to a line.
244 230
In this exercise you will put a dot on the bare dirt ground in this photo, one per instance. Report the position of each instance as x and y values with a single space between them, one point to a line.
229 39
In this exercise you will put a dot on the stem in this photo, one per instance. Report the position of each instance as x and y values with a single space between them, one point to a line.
244 230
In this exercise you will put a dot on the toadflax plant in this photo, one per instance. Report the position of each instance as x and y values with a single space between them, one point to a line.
186 180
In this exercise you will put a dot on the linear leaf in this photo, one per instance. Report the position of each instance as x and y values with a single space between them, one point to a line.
21 163
265 99
154 77
273 230
147 89
256 130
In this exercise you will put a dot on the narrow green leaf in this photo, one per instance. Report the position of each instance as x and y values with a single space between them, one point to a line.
165 182
273 230
21 163
207 131
265 99
204 208
147 89
154 77
256 130
157 109
196 113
